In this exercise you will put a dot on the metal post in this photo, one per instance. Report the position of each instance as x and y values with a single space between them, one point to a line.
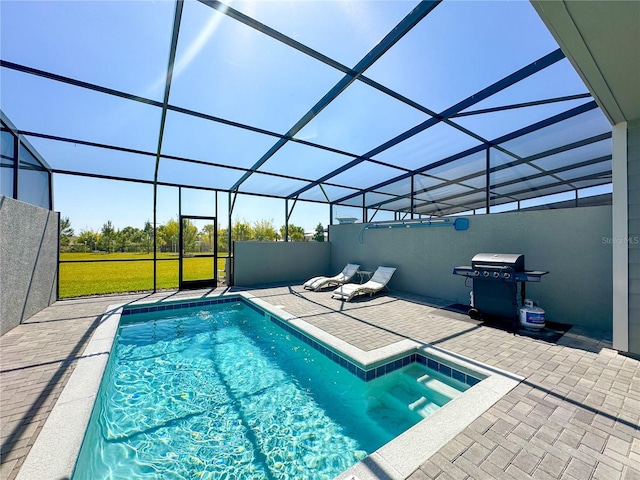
214 247
413 191
488 182
58 261
330 222
163 118
155 234
180 240
286 219
229 243
16 165
364 210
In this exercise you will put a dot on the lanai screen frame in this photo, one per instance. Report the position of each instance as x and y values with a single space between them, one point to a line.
414 200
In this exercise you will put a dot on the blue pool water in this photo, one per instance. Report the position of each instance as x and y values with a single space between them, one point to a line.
221 392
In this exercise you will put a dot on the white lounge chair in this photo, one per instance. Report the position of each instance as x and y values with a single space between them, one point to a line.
316 283
378 281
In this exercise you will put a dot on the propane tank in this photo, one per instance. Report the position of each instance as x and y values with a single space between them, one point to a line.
531 316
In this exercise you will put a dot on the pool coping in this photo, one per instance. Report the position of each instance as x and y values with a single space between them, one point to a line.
56 449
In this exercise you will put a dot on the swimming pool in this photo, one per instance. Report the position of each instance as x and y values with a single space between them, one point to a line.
219 391
55 451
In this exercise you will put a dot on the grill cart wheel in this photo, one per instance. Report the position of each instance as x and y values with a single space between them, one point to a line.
475 314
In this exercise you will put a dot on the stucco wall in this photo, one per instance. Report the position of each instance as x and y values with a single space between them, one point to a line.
280 262
570 243
28 261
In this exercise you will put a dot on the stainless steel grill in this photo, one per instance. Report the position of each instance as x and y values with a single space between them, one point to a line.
496 277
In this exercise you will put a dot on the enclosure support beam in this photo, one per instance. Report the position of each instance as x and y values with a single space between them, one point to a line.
374 214
230 206
167 89
364 210
507 81
16 165
488 181
180 246
413 192
286 219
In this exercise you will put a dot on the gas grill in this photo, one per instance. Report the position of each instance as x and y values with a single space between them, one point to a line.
496 277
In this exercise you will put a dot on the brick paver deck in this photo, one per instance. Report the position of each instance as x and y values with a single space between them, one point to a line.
575 416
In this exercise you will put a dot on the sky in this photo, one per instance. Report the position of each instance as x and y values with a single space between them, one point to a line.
225 69
90 203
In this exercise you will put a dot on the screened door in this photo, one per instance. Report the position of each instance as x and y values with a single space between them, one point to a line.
198 252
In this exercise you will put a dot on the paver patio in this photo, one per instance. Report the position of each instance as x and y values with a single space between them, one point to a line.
575 416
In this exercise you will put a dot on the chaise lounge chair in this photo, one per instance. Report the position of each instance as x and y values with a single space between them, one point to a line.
378 281
316 283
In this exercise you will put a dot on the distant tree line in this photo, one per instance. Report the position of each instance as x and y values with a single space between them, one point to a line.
131 239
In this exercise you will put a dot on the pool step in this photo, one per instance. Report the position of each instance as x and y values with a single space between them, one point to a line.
410 397
418 392
438 386
434 381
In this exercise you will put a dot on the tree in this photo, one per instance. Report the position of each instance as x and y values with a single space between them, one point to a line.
128 239
107 237
168 236
319 235
189 236
148 236
242 231
223 240
66 232
206 236
296 234
264 231
89 239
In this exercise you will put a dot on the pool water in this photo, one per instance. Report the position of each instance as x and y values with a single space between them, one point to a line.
221 392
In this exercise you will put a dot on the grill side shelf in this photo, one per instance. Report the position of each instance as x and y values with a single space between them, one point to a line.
530 275
465 271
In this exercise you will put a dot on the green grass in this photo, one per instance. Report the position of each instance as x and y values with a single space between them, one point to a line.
84 278
114 256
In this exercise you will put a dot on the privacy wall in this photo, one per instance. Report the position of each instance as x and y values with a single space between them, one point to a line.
259 263
28 261
573 244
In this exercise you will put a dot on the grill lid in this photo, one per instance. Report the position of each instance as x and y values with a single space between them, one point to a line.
496 260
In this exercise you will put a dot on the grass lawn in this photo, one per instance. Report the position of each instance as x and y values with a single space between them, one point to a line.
84 278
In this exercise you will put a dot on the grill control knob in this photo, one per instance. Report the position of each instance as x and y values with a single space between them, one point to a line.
486 274
507 275
476 273
496 274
